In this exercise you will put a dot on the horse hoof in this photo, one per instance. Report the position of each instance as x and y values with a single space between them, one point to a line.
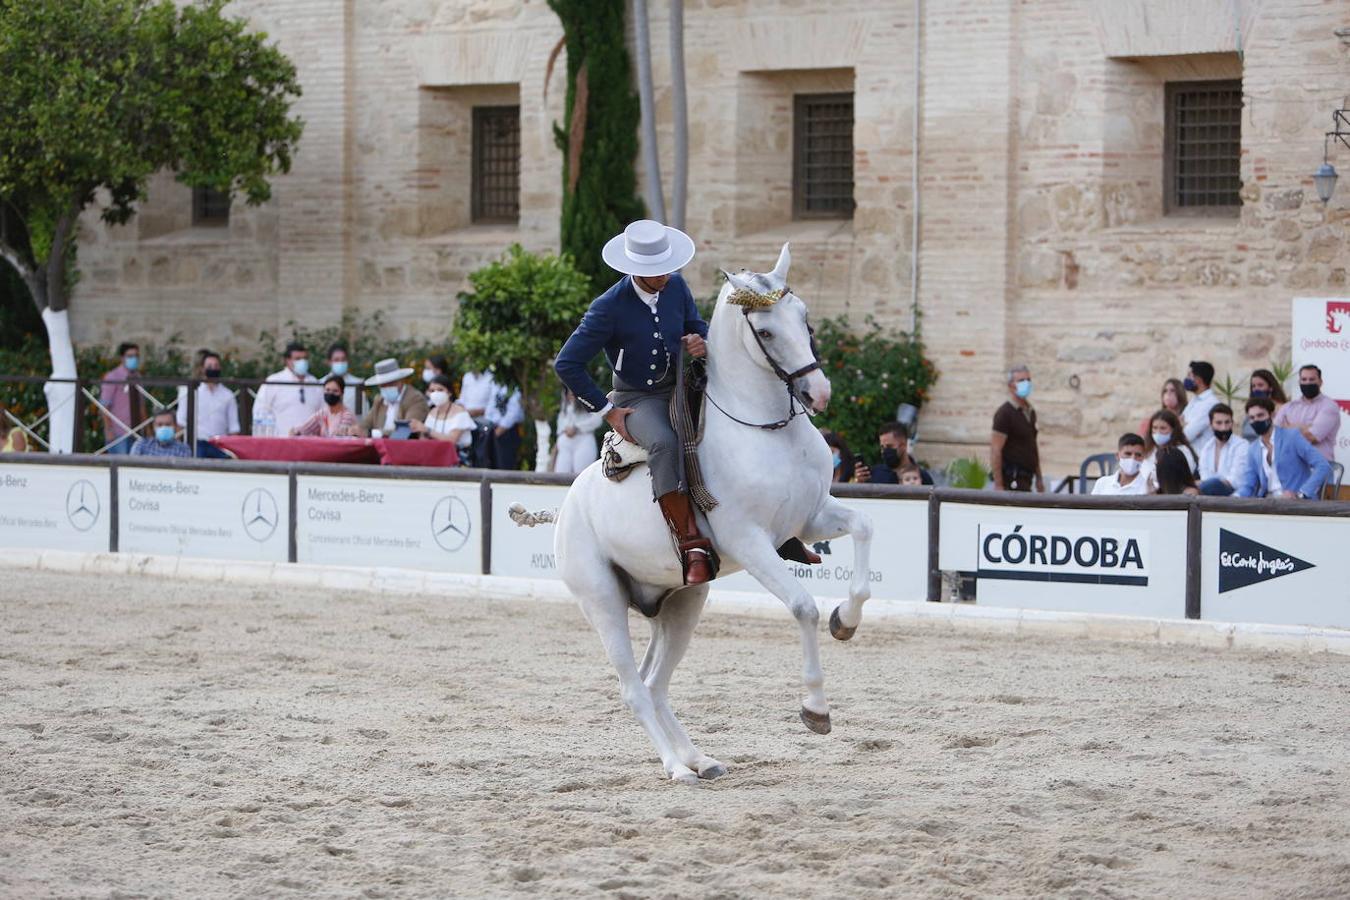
838 630
717 770
685 777
817 722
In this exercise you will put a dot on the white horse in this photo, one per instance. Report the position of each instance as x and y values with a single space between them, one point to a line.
770 470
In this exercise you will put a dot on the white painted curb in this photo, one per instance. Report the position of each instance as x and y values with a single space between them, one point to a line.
936 616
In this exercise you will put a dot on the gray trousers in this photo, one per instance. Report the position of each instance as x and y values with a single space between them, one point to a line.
649 424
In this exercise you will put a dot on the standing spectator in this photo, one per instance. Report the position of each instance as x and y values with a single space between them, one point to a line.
398 400
476 392
12 438
1164 430
1014 455
217 409
1223 458
1263 383
434 365
894 440
120 397
1195 417
1174 474
505 414
1130 477
164 442
1172 398
576 446
840 456
1315 415
335 419
446 420
290 407
1280 462
339 364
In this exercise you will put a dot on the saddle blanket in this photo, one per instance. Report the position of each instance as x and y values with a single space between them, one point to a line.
619 457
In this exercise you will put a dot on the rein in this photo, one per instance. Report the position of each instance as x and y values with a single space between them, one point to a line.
795 406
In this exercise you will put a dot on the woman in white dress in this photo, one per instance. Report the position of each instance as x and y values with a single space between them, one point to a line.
577 447
446 420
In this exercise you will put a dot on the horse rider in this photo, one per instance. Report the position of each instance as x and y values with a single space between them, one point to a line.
642 323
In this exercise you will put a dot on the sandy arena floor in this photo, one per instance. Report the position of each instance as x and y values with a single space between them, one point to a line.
173 739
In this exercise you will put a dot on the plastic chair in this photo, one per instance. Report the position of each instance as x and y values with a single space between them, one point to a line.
1332 489
1106 464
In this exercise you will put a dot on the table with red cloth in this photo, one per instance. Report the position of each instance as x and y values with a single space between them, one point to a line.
340 450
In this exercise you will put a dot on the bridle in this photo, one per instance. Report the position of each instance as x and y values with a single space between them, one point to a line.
795 407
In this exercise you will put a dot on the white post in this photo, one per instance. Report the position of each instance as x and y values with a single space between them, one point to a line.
543 435
60 396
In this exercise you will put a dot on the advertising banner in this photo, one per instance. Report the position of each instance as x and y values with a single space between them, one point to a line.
899 559
433 525
1282 570
55 508
1121 562
524 552
218 515
1322 338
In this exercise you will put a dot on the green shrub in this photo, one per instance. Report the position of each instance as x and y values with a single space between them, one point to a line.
967 472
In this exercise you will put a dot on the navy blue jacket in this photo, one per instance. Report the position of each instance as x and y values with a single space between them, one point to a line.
639 344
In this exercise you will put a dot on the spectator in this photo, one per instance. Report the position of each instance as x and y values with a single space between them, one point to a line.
840 456
445 420
1263 383
398 400
894 440
1223 458
120 397
335 419
1280 462
434 365
217 409
339 364
504 414
164 442
576 447
12 438
910 476
1315 415
1195 417
1172 399
1174 473
1131 477
1164 430
289 407
476 392
1014 456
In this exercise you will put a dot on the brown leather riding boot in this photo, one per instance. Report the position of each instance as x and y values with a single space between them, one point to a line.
694 547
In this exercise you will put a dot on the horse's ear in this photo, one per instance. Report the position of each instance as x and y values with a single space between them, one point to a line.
737 283
780 269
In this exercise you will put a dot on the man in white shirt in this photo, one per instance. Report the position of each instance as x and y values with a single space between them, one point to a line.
476 392
217 409
1131 477
339 364
1223 458
1195 417
289 407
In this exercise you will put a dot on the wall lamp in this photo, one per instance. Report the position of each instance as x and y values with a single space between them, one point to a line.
1325 177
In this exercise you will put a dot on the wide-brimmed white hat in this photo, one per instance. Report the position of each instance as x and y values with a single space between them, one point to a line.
648 248
387 370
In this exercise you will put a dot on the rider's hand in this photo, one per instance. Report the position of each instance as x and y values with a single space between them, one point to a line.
695 345
615 419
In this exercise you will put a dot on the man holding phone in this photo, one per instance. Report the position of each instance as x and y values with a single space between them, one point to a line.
894 440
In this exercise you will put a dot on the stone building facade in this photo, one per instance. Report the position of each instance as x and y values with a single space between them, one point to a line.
1029 142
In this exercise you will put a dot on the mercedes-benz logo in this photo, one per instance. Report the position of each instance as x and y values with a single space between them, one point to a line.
82 505
450 523
260 514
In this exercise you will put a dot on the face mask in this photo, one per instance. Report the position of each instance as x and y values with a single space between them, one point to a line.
1129 465
437 398
211 373
1260 393
340 368
838 460
1189 384
164 433
1023 388
1310 390
428 374
132 363
390 394
300 367
1162 439
332 399
1223 436
1261 427
890 457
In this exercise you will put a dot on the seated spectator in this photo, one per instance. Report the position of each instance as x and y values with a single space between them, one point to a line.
1173 472
1263 383
1315 415
12 438
1195 417
841 458
894 440
217 408
398 400
434 365
446 420
164 442
1280 462
1164 430
1172 399
576 446
339 364
335 419
910 476
1131 476
1223 458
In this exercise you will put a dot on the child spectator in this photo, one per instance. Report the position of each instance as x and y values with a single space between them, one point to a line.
911 476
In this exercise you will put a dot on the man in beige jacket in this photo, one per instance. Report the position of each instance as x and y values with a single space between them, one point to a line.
398 401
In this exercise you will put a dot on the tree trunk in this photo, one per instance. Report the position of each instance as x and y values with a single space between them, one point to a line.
60 395
680 111
543 445
651 159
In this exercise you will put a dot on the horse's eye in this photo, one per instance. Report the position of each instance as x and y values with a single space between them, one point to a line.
766 334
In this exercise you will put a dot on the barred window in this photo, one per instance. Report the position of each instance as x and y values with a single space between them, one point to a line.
822 156
210 207
1203 146
496 164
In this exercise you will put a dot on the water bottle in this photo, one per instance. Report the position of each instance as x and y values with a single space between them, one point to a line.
270 424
